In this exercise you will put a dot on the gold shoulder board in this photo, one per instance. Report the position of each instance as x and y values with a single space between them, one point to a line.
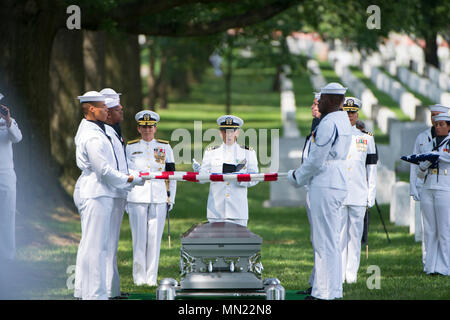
133 141
162 141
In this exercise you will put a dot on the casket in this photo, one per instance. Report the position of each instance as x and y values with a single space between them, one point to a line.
220 255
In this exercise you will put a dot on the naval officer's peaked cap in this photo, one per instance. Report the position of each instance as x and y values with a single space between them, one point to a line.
146 118
230 122
352 104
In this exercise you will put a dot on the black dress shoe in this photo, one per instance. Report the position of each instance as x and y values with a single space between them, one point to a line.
124 294
307 291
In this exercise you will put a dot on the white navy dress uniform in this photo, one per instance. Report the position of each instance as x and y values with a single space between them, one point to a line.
94 195
8 136
308 203
435 205
416 183
326 173
120 199
362 169
227 201
147 204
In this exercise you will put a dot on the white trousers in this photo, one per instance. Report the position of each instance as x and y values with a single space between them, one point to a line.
147 226
435 205
326 220
351 233
112 270
308 213
90 271
7 214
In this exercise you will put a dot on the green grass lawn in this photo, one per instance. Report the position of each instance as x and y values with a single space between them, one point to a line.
286 249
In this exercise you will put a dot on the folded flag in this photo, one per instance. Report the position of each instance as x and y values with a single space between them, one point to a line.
416 158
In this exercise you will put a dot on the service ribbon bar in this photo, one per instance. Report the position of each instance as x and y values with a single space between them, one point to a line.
196 177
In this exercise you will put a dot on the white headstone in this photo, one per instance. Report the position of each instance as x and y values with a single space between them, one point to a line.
385 182
400 204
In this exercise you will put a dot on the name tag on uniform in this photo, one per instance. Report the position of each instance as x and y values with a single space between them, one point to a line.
361 144
136 152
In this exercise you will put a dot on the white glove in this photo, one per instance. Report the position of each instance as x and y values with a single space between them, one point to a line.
370 203
170 206
195 165
137 181
424 165
291 178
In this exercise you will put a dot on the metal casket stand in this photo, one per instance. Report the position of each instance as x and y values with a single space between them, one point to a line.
220 259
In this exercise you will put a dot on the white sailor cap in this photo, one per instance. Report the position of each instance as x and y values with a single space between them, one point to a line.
112 103
230 122
110 93
352 104
147 118
333 88
442 117
91 96
439 108
317 96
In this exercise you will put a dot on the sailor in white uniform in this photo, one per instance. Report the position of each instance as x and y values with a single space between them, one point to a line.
115 117
435 200
315 122
326 173
94 196
362 168
9 134
422 140
227 201
148 205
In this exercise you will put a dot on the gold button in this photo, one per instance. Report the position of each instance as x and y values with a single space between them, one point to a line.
227 195
228 183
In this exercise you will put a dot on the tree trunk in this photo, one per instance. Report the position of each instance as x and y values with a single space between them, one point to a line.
94 59
151 80
66 83
123 74
431 48
228 74
26 38
276 83
163 81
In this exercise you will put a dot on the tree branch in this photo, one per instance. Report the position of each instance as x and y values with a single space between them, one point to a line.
174 29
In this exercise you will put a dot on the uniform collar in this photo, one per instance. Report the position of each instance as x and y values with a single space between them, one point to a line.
100 124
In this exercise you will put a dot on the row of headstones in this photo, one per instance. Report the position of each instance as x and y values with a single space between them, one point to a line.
414 57
316 77
305 46
288 106
437 77
423 86
407 101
